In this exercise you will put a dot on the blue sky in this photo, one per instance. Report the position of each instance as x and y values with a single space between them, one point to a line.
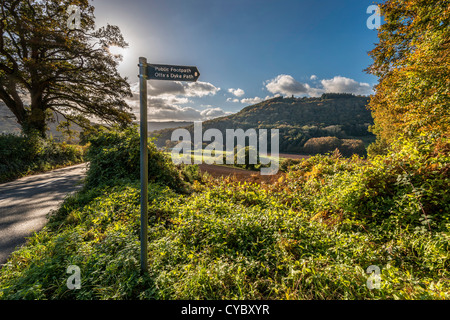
246 50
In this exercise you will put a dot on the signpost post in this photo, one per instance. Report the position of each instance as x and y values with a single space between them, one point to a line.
153 72
144 161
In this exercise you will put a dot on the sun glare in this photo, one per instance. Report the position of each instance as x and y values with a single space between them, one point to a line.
116 51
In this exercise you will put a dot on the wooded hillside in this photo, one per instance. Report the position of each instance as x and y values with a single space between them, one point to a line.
343 116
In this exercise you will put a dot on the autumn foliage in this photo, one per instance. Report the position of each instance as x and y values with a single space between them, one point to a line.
412 61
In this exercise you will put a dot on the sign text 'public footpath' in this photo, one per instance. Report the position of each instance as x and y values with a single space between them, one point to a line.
173 73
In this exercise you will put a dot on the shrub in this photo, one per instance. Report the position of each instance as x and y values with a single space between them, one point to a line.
323 145
405 189
350 147
245 153
287 163
21 155
115 154
190 173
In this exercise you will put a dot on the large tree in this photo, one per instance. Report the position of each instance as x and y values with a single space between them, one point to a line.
412 61
48 68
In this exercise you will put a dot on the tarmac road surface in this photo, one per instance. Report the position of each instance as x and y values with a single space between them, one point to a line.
25 203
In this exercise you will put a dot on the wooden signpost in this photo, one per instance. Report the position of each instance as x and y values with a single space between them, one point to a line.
153 72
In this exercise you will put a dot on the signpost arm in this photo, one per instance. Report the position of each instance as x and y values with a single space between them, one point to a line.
144 162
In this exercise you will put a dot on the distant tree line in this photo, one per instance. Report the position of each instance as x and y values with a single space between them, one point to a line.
323 145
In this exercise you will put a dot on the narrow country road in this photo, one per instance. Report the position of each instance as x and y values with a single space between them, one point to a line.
25 203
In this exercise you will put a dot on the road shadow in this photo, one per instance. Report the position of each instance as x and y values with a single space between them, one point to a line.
25 204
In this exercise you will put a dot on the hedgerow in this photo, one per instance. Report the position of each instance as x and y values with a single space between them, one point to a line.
21 155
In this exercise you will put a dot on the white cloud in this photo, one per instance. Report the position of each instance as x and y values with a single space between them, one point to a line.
286 85
201 89
233 100
236 92
315 92
173 112
346 85
250 101
166 100
271 97
177 88
211 113
161 109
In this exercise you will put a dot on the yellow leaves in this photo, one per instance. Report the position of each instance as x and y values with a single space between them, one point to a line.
411 61
329 218
316 171
319 215
433 166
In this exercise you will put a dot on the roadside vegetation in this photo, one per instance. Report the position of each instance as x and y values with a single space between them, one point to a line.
22 155
310 235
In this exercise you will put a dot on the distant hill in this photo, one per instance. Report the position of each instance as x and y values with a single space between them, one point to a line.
344 116
156 126
8 124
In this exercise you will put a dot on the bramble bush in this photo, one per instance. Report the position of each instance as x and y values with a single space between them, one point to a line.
312 234
408 187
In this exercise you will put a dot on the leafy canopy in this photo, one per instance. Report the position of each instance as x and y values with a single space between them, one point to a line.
412 61
46 68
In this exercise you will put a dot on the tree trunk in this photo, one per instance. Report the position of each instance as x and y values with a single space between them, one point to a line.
37 118
35 122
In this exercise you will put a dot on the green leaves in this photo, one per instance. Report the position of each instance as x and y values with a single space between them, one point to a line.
114 154
23 155
68 72
311 234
